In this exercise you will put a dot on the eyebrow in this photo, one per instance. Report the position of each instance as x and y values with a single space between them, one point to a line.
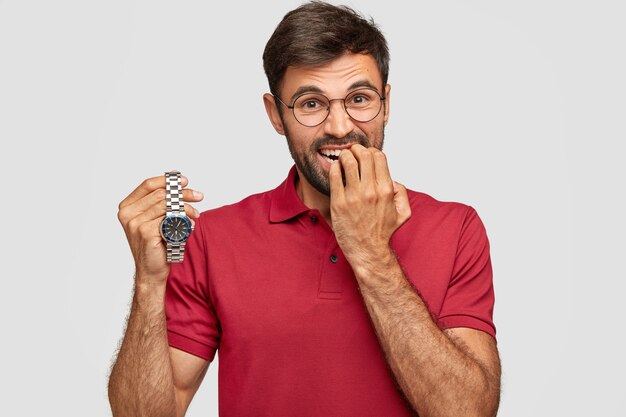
306 89
315 89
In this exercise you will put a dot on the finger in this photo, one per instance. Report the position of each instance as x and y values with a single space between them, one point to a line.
192 196
383 177
366 163
336 181
350 168
148 186
158 211
156 196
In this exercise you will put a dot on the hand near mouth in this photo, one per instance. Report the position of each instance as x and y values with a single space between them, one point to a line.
369 208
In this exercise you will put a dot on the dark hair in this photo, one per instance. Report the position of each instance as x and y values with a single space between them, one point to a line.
315 34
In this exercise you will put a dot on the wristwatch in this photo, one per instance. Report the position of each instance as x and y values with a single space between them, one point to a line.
176 226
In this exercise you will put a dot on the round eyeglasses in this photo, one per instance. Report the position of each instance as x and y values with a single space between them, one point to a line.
312 109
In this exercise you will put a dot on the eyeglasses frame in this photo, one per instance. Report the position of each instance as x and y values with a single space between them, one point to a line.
292 107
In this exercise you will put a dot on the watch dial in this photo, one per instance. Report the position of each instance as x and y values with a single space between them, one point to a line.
176 229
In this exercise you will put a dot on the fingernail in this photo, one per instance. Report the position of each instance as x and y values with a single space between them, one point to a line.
198 194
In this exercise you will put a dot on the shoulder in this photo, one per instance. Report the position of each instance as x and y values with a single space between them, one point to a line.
438 222
428 208
251 206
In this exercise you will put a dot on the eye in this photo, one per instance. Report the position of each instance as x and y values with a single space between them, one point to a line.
360 99
311 103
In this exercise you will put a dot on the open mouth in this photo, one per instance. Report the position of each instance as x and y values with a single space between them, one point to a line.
330 155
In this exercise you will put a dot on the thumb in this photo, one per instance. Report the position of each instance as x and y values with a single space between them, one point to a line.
401 200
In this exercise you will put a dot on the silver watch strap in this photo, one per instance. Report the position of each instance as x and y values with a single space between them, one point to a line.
174 206
175 252
174 193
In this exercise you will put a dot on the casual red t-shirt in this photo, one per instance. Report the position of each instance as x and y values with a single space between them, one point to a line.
265 282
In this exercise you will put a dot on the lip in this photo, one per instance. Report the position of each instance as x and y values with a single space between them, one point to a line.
323 161
348 146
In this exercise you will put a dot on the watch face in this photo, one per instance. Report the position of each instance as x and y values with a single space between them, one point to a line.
176 229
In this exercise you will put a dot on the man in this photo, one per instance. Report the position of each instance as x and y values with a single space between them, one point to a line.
339 293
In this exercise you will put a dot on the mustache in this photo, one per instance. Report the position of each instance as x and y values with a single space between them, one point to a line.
351 138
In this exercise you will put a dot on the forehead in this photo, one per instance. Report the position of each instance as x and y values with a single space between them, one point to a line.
335 77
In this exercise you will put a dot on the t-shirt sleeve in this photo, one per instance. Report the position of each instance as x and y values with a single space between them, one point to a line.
470 297
192 324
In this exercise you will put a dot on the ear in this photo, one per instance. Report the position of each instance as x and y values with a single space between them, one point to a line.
272 113
387 101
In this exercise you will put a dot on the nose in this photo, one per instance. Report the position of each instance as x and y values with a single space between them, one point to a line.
338 123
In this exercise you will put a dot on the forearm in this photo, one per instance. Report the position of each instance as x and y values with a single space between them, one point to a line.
141 381
435 375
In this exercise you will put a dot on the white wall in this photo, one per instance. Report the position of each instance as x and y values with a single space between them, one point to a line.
516 108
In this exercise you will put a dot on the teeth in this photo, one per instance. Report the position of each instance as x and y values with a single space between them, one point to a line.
329 152
332 161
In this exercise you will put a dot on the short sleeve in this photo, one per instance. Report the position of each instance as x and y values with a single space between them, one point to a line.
470 296
192 324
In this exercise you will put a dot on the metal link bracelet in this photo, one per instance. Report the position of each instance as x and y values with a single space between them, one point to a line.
174 206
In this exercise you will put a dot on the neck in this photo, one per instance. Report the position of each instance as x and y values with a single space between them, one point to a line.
312 198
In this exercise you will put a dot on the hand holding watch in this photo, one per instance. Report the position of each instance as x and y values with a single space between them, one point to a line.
176 226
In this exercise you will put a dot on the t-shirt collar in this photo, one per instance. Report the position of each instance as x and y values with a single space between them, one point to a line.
285 201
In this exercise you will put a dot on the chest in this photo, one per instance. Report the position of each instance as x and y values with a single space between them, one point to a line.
291 282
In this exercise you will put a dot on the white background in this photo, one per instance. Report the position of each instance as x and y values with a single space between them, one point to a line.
516 108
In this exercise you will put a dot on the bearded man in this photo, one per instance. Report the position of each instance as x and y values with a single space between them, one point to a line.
338 293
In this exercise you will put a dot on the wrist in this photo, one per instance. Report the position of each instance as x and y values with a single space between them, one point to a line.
153 278
150 288
373 262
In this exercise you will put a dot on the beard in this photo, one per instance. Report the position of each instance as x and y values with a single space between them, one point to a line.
308 161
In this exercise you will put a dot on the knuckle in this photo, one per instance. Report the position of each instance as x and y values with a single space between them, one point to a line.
133 225
337 202
152 183
121 216
144 228
338 205
345 154
160 193
348 161
370 195
148 230
386 190
352 200
379 156
146 183
357 149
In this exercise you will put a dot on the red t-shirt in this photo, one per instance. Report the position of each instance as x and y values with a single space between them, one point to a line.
265 281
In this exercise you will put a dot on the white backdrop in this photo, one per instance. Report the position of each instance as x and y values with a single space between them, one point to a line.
516 108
